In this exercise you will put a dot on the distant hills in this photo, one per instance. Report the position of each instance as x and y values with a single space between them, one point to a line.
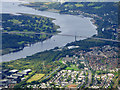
60 1
71 0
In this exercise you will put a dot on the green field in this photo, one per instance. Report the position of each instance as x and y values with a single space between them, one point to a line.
72 67
79 5
61 60
35 77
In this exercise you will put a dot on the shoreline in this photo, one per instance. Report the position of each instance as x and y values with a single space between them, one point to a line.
17 50
13 50
91 19
45 40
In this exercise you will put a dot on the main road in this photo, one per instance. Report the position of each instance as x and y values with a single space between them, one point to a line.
36 33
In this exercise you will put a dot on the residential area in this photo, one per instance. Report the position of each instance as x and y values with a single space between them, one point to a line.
94 69
60 44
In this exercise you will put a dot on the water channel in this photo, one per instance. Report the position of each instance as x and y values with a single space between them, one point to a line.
69 24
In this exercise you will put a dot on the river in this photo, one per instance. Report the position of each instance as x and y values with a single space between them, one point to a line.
69 24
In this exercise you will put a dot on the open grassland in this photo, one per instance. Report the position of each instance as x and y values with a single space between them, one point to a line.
36 77
72 67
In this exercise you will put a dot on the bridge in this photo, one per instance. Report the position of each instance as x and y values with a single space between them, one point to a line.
75 36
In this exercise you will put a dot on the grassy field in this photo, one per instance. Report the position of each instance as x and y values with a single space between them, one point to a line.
60 61
79 5
36 77
72 67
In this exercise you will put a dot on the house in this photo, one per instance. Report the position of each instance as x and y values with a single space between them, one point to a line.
0 73
112 70
80 78
110 75
85 68
69 71
98 76
103 76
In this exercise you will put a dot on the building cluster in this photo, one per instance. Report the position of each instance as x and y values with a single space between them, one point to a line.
11 77
69 59
82 14
96 59
68 77
103 80
112 27
84 77
102 58
63 79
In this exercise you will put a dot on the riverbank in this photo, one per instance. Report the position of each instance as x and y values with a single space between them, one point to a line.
26 23
100 12
69 24
43 59
55 9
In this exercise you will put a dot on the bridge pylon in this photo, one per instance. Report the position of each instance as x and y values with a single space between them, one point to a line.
75 38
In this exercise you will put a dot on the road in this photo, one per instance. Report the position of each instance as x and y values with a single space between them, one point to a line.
116 82
89 78
61 35
52 72
106 39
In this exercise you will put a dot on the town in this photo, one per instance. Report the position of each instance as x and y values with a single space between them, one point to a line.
85 63
94 69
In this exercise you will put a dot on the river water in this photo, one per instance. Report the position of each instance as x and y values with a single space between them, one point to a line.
69 24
